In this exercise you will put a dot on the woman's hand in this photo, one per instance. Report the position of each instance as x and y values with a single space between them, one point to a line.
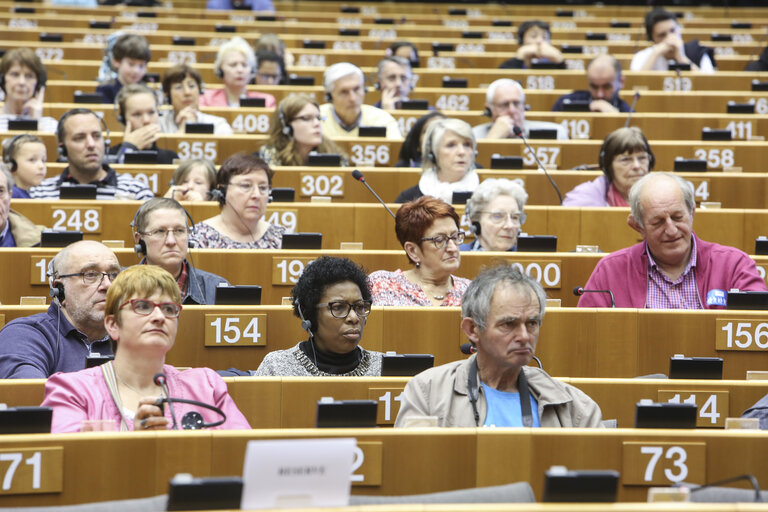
186 115
149 416
34 106
142 138
184 193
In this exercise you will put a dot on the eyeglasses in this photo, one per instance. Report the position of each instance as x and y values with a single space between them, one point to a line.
341 308
92 276
441 241
160 234
145 307
505 105
499 217
247 188
309 118
642 159
267 77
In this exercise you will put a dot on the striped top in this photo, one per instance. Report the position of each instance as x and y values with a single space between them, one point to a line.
113 186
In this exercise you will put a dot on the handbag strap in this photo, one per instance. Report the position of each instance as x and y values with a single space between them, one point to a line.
110 378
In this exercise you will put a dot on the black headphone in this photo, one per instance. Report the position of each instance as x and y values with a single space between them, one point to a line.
219 194
56 287
141 246
429 152
305 324
487 112
287 128
62 148
7 158
42 77
475 228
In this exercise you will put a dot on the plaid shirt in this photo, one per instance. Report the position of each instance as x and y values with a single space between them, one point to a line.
664 293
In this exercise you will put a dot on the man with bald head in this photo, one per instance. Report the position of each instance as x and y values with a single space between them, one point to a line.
60 339
605 81
671 268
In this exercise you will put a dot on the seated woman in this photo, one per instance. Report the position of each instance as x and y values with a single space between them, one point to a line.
410 151
243 184
26 157
22 79
182 86
428 230
625 157
235 65
296 131
496 213
193 180
448 165
333 301
142 316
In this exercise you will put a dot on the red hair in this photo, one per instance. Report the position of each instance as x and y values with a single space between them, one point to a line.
414 218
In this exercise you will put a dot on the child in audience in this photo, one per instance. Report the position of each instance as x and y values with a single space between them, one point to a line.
130 56
25 155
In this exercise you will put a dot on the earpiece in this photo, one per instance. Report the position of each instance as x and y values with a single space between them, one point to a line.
219 72
219 194
305 324
140 247
430 155
475 228
328 97
287 128
62 150
56 287
9 149
487 112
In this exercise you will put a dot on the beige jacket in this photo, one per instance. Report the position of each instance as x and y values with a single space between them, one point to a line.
25 232
442 392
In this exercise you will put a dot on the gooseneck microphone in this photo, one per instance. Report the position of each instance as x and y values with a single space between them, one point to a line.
469 349
519 132
579 291
359 177
632 108
192 420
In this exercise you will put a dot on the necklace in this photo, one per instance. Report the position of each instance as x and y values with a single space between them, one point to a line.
128 385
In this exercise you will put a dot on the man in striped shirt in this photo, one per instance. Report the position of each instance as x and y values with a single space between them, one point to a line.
672 268
82 143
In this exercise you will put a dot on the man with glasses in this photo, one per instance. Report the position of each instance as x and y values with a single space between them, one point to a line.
671 268
60 339
505 104
162 234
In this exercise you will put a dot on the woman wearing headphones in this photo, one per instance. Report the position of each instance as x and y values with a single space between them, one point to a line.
624 158
496 213
297 131
26 158
235 65
448 162
183 86
22 79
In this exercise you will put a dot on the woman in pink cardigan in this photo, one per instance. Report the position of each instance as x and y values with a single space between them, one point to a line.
235 65
141 315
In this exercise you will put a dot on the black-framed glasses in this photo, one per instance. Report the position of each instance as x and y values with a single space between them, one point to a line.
92 276
162 233
145 307
441 241
500 217
341 308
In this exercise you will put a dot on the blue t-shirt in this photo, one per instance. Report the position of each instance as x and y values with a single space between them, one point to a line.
504 409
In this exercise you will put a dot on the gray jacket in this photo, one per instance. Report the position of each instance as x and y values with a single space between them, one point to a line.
202 286
442 392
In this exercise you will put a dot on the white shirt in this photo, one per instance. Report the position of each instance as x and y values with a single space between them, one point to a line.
661 63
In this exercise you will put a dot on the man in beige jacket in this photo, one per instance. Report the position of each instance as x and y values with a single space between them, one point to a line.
502 313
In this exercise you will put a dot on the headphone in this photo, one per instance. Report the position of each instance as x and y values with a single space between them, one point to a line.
608 166
42 77
62 148
305 324
56 287
430 154
140 248
219 194
9 149
287 128
475 228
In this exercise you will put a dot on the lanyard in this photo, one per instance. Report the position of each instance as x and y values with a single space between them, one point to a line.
473 390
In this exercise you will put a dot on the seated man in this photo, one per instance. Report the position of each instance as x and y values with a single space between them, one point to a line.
503 310
605 81
533 40
82 144
505 103
671 268
394 82
15 229
137 111
37 346
22 79
162 235
662 29
344 85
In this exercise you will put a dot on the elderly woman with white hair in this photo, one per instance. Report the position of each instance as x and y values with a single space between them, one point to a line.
496 213
235 64
345 113
447 164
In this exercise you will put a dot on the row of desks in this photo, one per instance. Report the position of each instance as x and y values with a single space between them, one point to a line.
574 342
78 468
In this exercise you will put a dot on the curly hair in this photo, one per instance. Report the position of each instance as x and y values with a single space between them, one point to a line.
325 271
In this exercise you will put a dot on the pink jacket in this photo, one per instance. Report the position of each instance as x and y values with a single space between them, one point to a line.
84 395
624 272
589 193
218 98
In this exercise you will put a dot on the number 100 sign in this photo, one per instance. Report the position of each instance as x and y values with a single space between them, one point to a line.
223 330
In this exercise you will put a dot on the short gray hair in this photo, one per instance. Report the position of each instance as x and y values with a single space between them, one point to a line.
489 190
237 44
8 177
476 303
635 204
340 70
394 59
434 137
491 91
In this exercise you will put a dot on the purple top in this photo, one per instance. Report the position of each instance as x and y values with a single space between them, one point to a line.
394 289
84 395
589 193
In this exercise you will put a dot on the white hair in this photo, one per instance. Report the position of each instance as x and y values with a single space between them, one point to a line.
489 190
238 44
491 91
434 137
340 70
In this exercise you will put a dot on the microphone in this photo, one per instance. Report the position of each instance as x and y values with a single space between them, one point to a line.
750 478
579 291
519 132
359 177
160 380
632 107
